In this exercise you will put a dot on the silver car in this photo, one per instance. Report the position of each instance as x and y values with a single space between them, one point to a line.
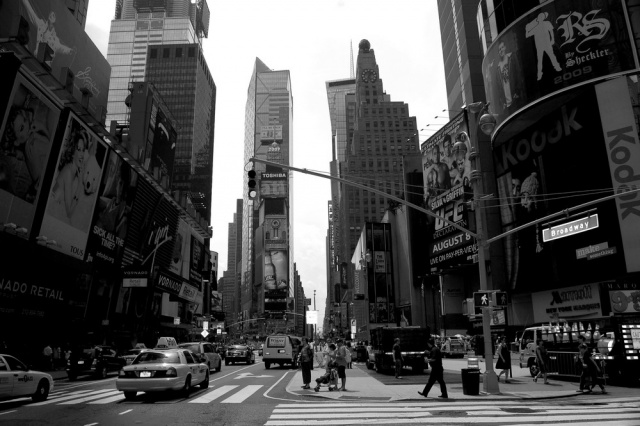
156 370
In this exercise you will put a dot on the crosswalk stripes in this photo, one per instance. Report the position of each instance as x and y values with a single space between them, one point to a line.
490 412
108 396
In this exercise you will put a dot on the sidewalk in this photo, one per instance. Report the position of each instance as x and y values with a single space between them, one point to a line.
363 386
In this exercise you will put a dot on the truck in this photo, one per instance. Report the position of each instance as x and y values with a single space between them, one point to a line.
611 345
413 343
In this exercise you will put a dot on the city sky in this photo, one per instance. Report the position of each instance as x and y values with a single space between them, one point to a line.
311 39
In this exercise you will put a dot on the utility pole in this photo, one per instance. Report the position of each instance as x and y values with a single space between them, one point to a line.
315 331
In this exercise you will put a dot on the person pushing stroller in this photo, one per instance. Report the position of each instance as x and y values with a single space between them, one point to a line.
330 378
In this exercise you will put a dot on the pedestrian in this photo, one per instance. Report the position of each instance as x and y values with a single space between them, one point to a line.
437 370
349 355
590 371
56 357
306 362
396 353
542 359
47 356
341 361
504 359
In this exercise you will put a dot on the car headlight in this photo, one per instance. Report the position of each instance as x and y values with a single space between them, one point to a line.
172 372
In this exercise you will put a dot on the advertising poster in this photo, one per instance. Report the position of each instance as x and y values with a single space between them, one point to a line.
50 22
26 134
163 150
562 44
271 133
113 207
74 189
569 303
181 251
276 279
216 301
197 262
446 169
532 170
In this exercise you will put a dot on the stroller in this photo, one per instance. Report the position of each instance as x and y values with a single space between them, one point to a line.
329 379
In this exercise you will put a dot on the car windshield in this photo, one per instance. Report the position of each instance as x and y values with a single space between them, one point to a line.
193 348
157 358
237 348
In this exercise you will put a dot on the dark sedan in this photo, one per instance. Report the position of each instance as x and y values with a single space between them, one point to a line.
239 353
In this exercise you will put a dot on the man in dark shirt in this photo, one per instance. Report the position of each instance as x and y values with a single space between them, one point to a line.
437 371
397 357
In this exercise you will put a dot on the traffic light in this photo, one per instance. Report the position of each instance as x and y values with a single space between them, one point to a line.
251 184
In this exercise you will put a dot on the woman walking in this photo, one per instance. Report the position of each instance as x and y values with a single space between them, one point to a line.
504 360
542 359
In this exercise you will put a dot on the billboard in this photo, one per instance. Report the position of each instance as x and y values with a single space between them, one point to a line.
196 263
276 280
48 25
181 251
446 170
271 133
216 301
581 301
74 189
111 216
163 150
27 131
559 45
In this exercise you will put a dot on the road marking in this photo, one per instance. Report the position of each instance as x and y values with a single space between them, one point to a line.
125 412
7 412
249 375
210 396
115 398
66 398
91 424
235 372
91 398
245 393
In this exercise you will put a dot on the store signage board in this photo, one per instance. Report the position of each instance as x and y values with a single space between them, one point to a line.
204 333
570 228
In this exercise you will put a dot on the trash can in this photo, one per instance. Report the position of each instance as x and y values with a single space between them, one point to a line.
471 381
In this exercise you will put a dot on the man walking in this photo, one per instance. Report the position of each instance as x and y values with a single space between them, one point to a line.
437 371
341 361
306 363
396 352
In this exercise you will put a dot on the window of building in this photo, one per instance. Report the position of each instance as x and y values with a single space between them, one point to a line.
367 126
192 52
154 53
375 101
375 93
179 52
388 110
366 93
165 52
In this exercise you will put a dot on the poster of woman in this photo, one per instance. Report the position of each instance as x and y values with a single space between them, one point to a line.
74 189
26 134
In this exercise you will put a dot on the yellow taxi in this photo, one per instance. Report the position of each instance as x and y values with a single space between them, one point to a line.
17 380
166 367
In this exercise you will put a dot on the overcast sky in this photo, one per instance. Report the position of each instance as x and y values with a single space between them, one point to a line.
310 38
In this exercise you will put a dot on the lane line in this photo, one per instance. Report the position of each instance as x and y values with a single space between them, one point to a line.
66 398
91 424
125 412
236 371
8 412
245 393
91 398
214 394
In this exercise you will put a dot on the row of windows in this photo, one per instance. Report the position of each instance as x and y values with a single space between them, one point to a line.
178 52
369 148
382 111
396 123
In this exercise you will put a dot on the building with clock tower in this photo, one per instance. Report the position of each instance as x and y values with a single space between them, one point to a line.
380 132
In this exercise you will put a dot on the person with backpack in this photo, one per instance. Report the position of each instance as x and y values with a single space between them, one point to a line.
306 362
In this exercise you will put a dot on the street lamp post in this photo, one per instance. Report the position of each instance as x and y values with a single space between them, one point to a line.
487 124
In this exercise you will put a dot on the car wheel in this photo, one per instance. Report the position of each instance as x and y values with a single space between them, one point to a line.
42 392
186 390
205 382
129 395
267 365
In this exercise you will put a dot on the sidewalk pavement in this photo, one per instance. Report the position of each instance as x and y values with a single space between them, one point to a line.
362 385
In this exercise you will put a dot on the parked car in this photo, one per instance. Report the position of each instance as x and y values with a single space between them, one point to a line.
131 354
205 352
157 370
17 380
240 353
97 361
453 347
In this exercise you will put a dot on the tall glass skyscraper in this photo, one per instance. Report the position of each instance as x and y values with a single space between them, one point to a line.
267 242
159 41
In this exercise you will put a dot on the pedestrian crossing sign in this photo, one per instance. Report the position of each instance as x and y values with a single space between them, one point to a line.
481 299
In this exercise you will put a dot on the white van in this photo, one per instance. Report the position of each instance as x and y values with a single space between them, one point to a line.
528 343
281 349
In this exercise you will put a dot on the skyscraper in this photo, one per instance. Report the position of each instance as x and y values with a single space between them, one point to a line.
267 243
139 50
